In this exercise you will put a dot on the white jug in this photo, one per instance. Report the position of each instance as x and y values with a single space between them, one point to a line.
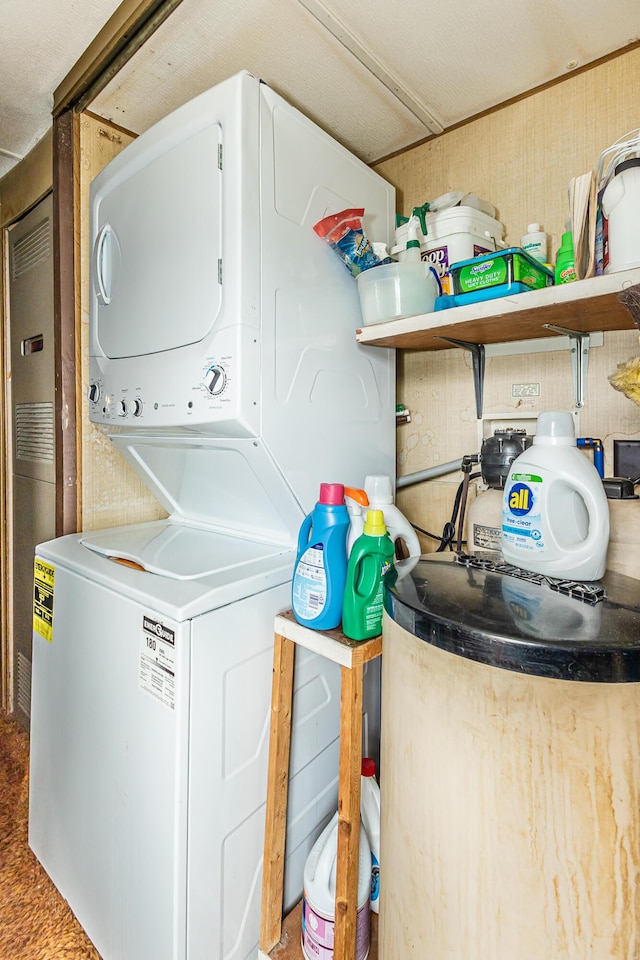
319 896
621 207
555 515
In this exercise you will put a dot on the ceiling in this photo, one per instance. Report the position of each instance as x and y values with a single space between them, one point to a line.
379 76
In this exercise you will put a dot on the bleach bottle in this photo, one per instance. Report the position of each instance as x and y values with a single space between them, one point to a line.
555 516
319 896
380 494
370 813
370 558
321 565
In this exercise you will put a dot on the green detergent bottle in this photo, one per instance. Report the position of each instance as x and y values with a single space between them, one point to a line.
565 271
370 558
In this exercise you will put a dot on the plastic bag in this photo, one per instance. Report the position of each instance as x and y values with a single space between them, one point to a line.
344 232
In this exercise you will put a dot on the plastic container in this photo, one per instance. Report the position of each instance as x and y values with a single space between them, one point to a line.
535 243
356 501
453 234
321 564
380 493
621 207
319 896
565 271
395 290
555 516
363 600
512 266
370 813
446 302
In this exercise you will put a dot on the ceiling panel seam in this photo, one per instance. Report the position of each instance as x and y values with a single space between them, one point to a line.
364 56
123 34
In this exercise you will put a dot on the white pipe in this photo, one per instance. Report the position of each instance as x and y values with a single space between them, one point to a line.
429 474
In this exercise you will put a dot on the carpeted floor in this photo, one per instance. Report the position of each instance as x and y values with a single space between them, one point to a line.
35 922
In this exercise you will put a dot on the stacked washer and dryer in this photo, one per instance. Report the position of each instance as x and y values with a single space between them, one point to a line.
224 368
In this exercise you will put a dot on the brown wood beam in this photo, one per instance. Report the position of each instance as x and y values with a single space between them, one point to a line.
65 134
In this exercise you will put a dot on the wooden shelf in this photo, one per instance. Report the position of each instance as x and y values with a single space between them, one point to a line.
585 306
352 657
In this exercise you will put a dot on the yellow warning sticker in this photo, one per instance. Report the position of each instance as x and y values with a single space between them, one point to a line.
43 577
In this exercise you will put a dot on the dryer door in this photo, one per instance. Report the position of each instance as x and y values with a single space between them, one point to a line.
148 295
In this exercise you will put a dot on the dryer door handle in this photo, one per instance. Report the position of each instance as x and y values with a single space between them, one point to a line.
103 264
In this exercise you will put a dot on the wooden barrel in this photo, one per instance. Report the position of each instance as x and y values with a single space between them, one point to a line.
510 807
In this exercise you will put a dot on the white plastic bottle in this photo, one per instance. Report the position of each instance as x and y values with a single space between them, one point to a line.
380 494
555 515
319 896
412 249
370 813
536 243
356 501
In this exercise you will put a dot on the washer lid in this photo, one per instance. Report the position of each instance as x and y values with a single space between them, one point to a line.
516 620
182 552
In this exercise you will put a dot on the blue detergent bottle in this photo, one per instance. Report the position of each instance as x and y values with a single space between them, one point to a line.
320 570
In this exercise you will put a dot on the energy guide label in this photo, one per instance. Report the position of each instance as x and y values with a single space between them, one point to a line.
158 660
43 578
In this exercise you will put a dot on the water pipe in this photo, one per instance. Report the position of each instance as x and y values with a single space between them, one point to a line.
431 473
591 443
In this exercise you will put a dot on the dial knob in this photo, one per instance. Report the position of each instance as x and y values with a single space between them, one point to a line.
122 408
215 380
136 407
93 393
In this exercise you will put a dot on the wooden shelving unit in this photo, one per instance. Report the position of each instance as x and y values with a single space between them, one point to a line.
585 306
276 939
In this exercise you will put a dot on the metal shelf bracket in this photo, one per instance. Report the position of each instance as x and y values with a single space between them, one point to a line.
579 360
477 355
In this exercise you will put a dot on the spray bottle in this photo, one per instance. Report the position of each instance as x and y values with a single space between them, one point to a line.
321 565
412 250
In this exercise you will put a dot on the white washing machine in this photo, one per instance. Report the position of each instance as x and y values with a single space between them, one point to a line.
225 369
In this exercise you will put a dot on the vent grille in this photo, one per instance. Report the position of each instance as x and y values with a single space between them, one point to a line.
31 250
24 684
34 432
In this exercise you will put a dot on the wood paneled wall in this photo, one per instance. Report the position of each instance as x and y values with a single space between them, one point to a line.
520 158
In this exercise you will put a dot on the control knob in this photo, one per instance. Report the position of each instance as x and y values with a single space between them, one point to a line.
215 380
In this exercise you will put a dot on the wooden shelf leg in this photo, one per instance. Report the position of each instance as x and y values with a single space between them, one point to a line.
277 788
348 811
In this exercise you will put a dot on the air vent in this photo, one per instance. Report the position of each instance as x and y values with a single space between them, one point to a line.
34 432
32 249
24 684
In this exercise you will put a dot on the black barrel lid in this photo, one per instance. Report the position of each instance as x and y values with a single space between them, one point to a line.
508 618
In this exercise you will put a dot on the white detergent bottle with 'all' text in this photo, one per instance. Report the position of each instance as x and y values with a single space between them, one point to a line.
555 515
